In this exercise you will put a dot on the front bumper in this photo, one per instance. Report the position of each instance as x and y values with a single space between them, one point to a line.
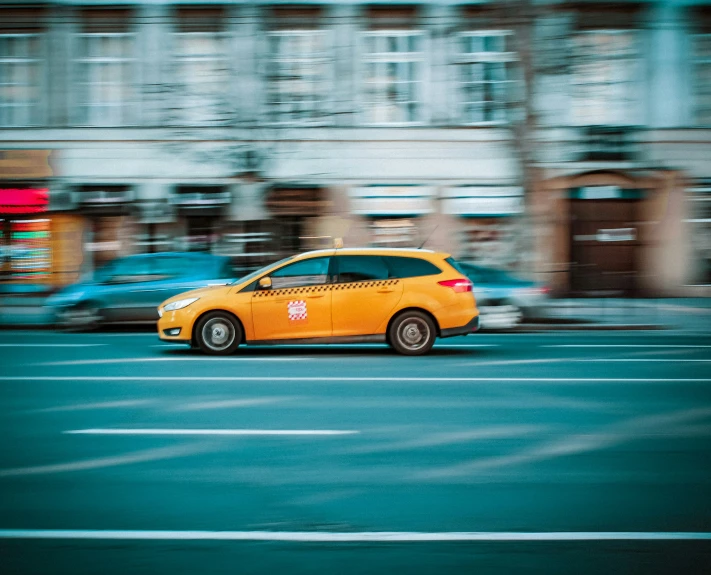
470 327
169 323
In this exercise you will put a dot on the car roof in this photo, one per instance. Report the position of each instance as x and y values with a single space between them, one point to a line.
370 251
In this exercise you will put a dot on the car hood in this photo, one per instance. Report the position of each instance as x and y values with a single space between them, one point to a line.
209 291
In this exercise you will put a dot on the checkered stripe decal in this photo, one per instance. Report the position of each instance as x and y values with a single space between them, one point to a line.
326 287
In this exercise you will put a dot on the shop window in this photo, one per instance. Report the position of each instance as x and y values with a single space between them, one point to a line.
394 76
485 61
201 234
490 242
202 67
106 69
700 224
25 250
361 268
397 232
21 75
605 77
702 69
299 76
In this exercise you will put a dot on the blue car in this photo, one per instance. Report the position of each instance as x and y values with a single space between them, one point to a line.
505 300
130 289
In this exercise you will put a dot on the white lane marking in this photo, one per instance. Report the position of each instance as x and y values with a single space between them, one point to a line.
373 379
171 359
101 462
230 403
52 344
577 360
354 537
634 345
258 432
91 406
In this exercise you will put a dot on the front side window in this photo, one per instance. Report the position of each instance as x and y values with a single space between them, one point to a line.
393 71
485 61
20 79
106 69
309 272
605 77
361 268
702 69
202 73
298 76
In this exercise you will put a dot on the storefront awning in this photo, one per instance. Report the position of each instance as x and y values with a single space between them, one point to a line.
24 200
483 201
402 201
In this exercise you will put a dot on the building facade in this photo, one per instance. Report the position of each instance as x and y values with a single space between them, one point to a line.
567 141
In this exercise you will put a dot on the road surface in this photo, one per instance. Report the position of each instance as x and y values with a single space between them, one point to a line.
498 453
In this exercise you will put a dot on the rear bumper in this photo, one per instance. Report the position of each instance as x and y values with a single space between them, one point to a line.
470 327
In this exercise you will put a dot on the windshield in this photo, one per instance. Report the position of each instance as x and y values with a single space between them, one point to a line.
255 274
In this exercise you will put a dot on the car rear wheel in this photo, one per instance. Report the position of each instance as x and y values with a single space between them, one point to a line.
218 333
84 316
412 333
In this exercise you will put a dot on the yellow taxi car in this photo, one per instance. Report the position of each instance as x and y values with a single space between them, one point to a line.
405 297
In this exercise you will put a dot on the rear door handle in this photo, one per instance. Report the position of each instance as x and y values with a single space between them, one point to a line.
314 296
386 290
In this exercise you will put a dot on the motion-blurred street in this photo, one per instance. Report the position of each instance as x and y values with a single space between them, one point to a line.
583 452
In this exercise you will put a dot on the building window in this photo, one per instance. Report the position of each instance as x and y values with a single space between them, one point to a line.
106 70
394 233
20 79
605 77
702 61
485 79
700 223
298 76
202 69
393 72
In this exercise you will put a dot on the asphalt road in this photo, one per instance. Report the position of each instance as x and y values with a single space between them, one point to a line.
522 453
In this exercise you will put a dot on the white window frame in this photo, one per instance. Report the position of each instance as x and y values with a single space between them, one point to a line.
322 102
421 57
33 111
701 60
222 57
632 102
467 58
124 112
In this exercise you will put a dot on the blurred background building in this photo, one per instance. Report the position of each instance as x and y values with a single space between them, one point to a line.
570 141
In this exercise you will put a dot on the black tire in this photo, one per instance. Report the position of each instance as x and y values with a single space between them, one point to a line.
218 333
84 316
412 333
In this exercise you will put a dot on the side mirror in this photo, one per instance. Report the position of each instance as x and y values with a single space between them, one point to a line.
265 283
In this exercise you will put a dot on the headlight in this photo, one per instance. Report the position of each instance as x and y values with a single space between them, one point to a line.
180 304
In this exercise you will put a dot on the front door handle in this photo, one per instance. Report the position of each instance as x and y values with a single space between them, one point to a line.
314 296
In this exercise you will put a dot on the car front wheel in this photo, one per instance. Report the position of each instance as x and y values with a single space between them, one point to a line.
218 333
412 333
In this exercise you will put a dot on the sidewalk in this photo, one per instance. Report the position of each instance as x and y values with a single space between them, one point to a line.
688 314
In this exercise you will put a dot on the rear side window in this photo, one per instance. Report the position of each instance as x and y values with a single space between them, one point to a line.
404 267
361 268
455 264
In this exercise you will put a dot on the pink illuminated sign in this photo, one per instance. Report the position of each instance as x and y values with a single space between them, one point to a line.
24 200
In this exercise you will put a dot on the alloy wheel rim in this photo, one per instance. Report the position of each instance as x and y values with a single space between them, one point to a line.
218 334
414 334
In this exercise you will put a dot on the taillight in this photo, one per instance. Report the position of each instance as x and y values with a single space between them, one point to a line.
459 285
